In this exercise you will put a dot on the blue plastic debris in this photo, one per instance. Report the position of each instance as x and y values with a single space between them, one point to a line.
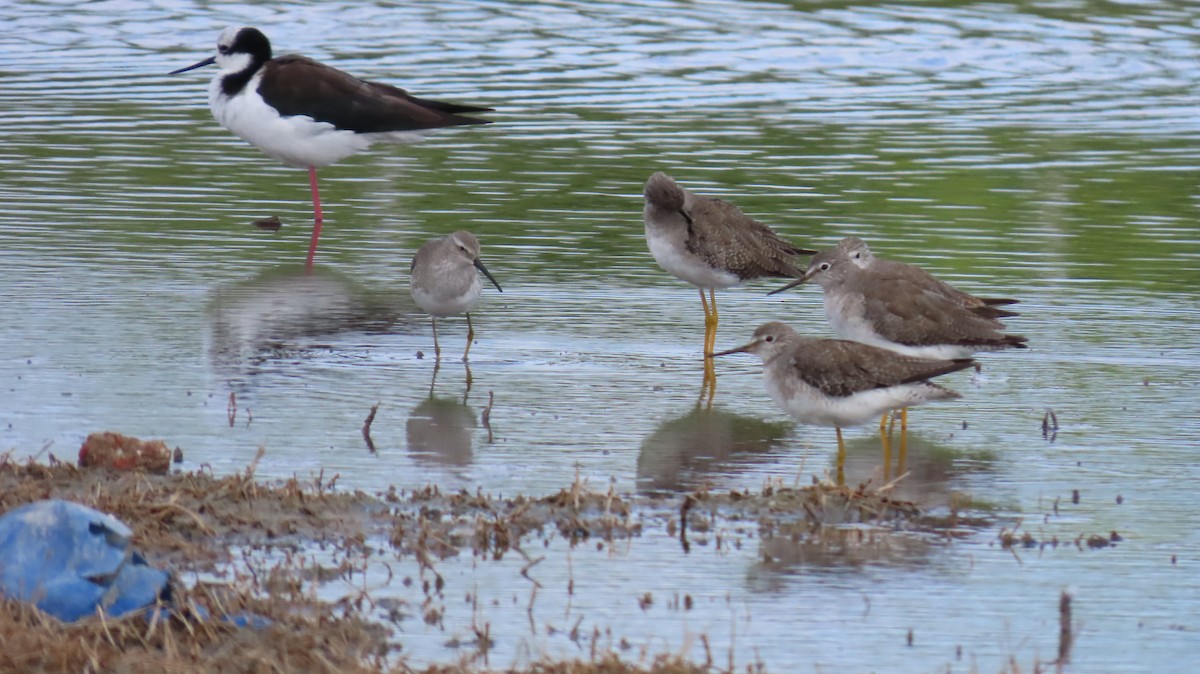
69 560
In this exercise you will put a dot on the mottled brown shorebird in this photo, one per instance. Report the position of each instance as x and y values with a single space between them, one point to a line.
445 281
840 383
711 244
903 308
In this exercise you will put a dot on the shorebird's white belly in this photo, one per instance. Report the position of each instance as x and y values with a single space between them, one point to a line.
672 255
298 140
845 314
439 301
809 405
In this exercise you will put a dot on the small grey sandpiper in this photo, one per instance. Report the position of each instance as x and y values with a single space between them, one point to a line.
445 280
307 114
711 244
839 383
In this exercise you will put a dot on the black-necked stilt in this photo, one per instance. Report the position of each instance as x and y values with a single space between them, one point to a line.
307 114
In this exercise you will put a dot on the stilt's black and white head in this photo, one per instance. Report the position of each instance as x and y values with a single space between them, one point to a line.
239 50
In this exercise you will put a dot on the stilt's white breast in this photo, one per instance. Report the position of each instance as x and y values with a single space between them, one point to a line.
298 141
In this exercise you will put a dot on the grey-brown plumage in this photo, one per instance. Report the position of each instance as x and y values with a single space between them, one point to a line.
902 307
834 382
445 280
709 242
841 368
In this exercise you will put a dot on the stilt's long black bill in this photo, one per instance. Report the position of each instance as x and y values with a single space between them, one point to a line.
206 62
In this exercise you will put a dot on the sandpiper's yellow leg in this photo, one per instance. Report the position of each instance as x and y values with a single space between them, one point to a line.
712 303
710 321
887 423
841 459
903 441
708 350
470 337
437 350
469 381
885 438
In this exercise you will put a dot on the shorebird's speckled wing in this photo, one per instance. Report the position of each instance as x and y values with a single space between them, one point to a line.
726 238
985 307
911 314
841 368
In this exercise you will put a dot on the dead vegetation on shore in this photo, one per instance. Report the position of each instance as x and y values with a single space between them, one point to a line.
197 523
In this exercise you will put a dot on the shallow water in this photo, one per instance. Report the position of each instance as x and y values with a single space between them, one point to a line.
1047 152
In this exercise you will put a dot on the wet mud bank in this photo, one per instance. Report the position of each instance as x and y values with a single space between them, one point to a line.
305 557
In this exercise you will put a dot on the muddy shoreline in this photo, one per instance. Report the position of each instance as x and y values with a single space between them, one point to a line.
203 527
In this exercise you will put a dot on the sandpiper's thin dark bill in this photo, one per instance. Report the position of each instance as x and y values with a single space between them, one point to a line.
479 265
306 114
737 349
804 278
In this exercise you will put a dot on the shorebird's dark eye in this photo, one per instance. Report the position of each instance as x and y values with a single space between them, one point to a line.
858 256
769 338
824 266
224 49
463 248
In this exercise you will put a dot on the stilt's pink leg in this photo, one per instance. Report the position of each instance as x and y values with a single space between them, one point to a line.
317 219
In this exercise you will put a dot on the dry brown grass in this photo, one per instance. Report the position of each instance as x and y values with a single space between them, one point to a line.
190 522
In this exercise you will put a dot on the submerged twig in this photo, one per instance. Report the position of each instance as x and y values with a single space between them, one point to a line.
487 415
231 410
1050 425
1065 635
683 519
366 427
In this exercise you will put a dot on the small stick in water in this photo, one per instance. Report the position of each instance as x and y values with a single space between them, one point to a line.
366 427
1050 425
1065 637
487 415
